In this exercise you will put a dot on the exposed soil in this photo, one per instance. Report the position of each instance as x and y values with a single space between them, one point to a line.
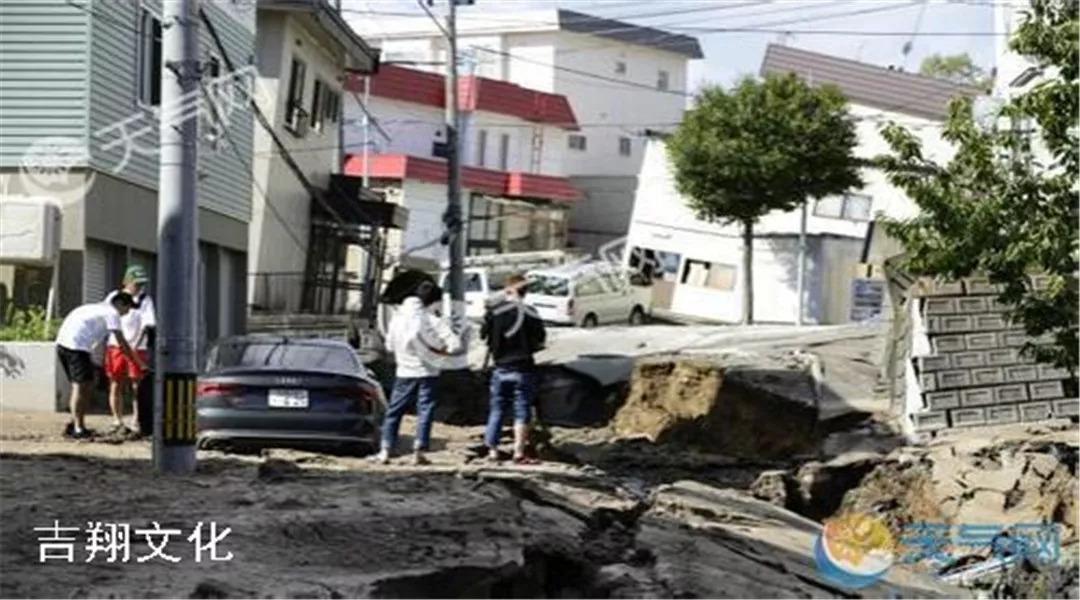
313 525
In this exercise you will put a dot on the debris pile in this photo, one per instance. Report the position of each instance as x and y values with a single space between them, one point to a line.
737 410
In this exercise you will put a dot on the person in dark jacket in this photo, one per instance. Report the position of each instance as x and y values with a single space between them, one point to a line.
514 332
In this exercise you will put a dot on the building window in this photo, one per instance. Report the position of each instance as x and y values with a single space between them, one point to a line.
294 109
331 105
149 59
620 67
481 147
318 114
714 276
576 142
624 146
504 151
855 207
662 81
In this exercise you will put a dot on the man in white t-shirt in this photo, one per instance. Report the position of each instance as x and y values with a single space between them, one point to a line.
84 328
137 325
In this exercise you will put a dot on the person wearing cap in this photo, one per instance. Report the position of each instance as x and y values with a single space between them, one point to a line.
82 330
137 326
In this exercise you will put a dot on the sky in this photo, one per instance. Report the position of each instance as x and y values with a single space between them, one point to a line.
864 30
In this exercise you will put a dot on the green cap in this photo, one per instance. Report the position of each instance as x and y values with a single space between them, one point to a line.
135 274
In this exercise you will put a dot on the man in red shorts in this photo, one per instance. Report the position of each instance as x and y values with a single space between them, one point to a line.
122 371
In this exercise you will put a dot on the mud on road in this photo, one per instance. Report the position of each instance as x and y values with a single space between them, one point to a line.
311 525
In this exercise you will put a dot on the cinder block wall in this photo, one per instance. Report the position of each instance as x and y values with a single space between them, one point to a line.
973 373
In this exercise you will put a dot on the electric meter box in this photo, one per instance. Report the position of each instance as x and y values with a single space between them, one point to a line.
29 231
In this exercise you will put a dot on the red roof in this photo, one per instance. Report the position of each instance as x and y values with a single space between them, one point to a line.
474 93
511 184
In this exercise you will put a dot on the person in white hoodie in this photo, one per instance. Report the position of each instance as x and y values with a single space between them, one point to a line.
419 340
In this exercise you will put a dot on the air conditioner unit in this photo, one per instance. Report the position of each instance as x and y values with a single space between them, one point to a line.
29 231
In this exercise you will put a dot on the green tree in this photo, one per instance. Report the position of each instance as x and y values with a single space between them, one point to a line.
999 207
765 145
957 68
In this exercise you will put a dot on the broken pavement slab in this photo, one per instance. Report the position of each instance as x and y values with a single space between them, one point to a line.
765 551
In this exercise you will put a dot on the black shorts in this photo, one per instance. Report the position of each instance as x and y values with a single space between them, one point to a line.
76 363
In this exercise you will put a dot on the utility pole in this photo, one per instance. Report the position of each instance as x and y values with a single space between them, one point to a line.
452 217
801 277
177 262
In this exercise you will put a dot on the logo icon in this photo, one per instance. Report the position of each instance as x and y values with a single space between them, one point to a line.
854 550
55 167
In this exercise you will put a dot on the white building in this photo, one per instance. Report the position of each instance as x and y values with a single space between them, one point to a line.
700 261
515 194
303 51
620 79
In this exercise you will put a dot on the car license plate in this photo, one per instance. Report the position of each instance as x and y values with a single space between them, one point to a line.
288 399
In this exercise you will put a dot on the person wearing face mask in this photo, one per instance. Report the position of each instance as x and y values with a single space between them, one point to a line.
419 340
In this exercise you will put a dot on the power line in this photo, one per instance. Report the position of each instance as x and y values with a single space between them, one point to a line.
248 168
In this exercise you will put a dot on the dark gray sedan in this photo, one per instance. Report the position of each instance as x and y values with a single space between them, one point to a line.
262 391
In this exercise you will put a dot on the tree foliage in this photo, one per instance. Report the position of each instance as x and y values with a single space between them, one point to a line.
764 145
1005 205
957 68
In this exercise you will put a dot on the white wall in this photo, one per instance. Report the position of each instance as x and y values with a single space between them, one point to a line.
607 110
426 203
272 247
413 128
889 200
662 220
610 110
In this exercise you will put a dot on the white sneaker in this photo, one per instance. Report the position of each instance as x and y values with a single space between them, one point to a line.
382 457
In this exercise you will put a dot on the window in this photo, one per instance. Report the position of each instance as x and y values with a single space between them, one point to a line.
662 80
504 151
624 146
855 207
715 276
289 355
548 285
294 109
149 59
481 147
331 105
589 287
620 67
576 142
655 264
318 96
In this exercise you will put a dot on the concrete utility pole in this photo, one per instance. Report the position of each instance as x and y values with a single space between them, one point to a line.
178 288
452 217
801 277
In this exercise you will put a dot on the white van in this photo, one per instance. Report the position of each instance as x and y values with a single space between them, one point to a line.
486 275
586 294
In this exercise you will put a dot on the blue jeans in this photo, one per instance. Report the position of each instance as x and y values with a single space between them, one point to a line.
407 389
509 384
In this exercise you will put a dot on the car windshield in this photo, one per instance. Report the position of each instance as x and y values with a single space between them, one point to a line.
282 355
548 285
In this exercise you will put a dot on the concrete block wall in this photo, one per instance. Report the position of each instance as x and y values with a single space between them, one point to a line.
974 373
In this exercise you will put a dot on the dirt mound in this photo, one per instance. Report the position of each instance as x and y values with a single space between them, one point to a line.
749 412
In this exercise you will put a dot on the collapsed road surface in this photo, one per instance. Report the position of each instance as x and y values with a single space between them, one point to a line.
310 525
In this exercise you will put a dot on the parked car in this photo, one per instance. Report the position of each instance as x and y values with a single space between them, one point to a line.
484 275
585 294
275 391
